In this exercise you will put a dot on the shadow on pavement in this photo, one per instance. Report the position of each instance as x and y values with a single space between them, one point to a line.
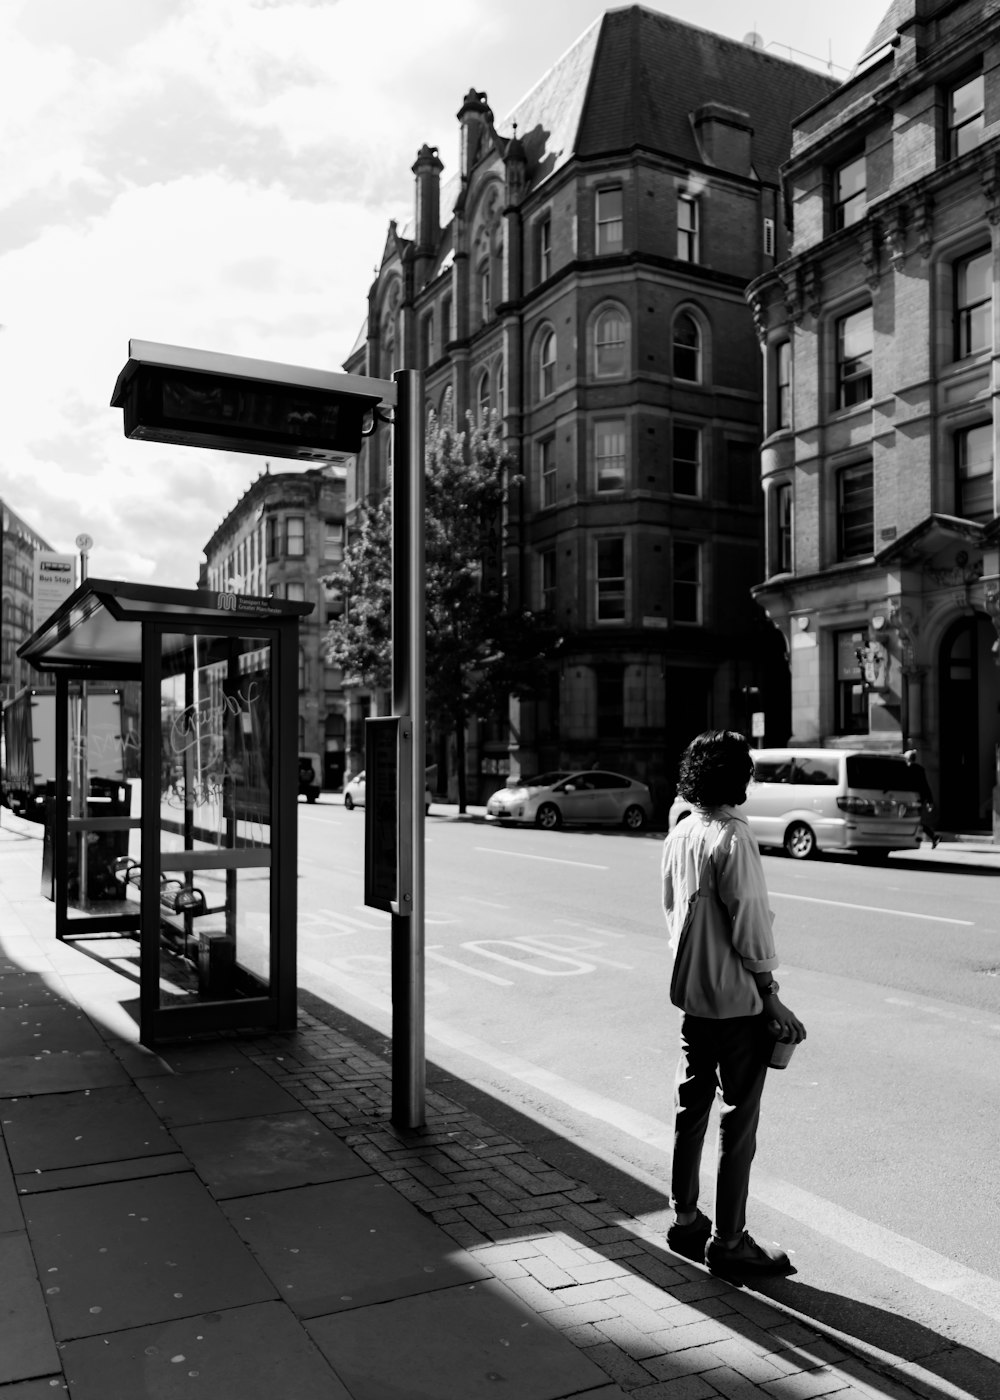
900 1341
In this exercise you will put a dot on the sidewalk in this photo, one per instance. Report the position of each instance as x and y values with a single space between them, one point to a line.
237 1219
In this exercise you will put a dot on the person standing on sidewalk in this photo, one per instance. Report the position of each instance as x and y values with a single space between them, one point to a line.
923 788
723 983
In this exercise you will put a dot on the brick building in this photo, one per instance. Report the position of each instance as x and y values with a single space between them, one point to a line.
19 544
281 537
879 334
583 273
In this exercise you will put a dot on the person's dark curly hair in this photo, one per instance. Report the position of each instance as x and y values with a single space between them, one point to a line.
715 769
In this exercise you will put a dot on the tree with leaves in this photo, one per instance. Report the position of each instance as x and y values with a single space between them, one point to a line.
478 651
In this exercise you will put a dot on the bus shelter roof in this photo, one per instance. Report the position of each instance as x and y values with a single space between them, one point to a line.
100 624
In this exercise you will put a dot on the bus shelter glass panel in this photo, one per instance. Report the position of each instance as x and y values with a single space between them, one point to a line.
215 813
102 828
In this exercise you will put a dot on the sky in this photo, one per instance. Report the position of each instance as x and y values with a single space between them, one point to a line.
221 174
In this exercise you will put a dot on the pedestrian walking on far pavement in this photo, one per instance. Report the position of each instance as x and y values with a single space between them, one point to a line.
923 788
716 905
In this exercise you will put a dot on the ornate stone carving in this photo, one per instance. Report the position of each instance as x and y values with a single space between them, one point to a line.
791 283
989 174
894 236
758 309
813 290
869 254
923 225
962 572
901 621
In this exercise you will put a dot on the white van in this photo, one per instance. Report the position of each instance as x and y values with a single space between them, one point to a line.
805 800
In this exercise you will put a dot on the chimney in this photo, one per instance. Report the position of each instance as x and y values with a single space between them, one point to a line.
427 168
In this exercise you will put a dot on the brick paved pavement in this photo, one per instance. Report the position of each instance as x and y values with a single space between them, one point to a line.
662 1329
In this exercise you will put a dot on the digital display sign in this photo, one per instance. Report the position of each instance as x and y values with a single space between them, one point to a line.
163 403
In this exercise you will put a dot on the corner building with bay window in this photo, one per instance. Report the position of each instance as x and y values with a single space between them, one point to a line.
880 339
583 275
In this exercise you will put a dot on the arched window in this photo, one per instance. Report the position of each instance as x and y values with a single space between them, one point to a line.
547 365
609 344
483 399
687 348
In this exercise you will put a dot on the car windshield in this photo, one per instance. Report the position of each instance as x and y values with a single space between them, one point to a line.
543 780
879 773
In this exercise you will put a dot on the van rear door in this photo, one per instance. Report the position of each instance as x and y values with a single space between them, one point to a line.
882 800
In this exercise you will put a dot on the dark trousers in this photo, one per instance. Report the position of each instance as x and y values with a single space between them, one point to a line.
730 1057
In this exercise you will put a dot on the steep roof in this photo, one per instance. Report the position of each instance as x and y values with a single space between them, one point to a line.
652 71
895 15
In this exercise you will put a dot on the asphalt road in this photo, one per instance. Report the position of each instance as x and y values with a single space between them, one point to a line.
547 970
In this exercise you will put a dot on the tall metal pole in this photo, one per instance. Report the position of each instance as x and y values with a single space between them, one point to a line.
83 773
408 1054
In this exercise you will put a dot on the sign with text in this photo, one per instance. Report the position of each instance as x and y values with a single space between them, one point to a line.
388 800
55 579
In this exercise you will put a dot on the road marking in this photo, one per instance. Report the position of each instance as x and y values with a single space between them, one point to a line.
553 860
872 908
589 928
905 1256
464 967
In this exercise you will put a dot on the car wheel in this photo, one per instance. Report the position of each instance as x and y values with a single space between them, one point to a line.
800 842
634 818
549 816
349 802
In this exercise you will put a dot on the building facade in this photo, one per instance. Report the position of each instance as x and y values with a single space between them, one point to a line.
583 275
880 335
19 544
281 538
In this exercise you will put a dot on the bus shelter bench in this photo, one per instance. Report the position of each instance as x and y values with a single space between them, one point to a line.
175 896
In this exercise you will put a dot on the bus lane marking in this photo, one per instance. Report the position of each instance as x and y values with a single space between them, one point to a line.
872 908
552 860
432 952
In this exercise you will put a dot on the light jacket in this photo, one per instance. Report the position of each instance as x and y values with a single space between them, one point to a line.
719 985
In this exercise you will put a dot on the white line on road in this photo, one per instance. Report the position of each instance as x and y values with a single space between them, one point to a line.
872 908
553 860
589 928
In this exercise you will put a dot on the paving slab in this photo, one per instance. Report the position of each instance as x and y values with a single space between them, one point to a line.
92 1174
247 1156
346 1244
50 1048
43 1388
130 1253
24 989
212 1095
82 1127
467 1343
26 1345
10 1211
254 1353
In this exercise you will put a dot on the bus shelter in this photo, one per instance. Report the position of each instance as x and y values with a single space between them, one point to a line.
173 820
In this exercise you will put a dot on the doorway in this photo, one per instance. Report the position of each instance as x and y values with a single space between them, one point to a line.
969 724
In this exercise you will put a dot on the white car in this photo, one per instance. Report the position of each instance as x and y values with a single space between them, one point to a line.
809 800
354 794
591 795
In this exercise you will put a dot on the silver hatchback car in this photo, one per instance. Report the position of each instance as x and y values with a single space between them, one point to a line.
550 799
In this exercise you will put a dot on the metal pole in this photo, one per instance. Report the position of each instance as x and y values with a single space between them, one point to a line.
83 776
408 1055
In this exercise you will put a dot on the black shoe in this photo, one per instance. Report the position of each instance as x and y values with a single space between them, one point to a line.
690 1240
748 1259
